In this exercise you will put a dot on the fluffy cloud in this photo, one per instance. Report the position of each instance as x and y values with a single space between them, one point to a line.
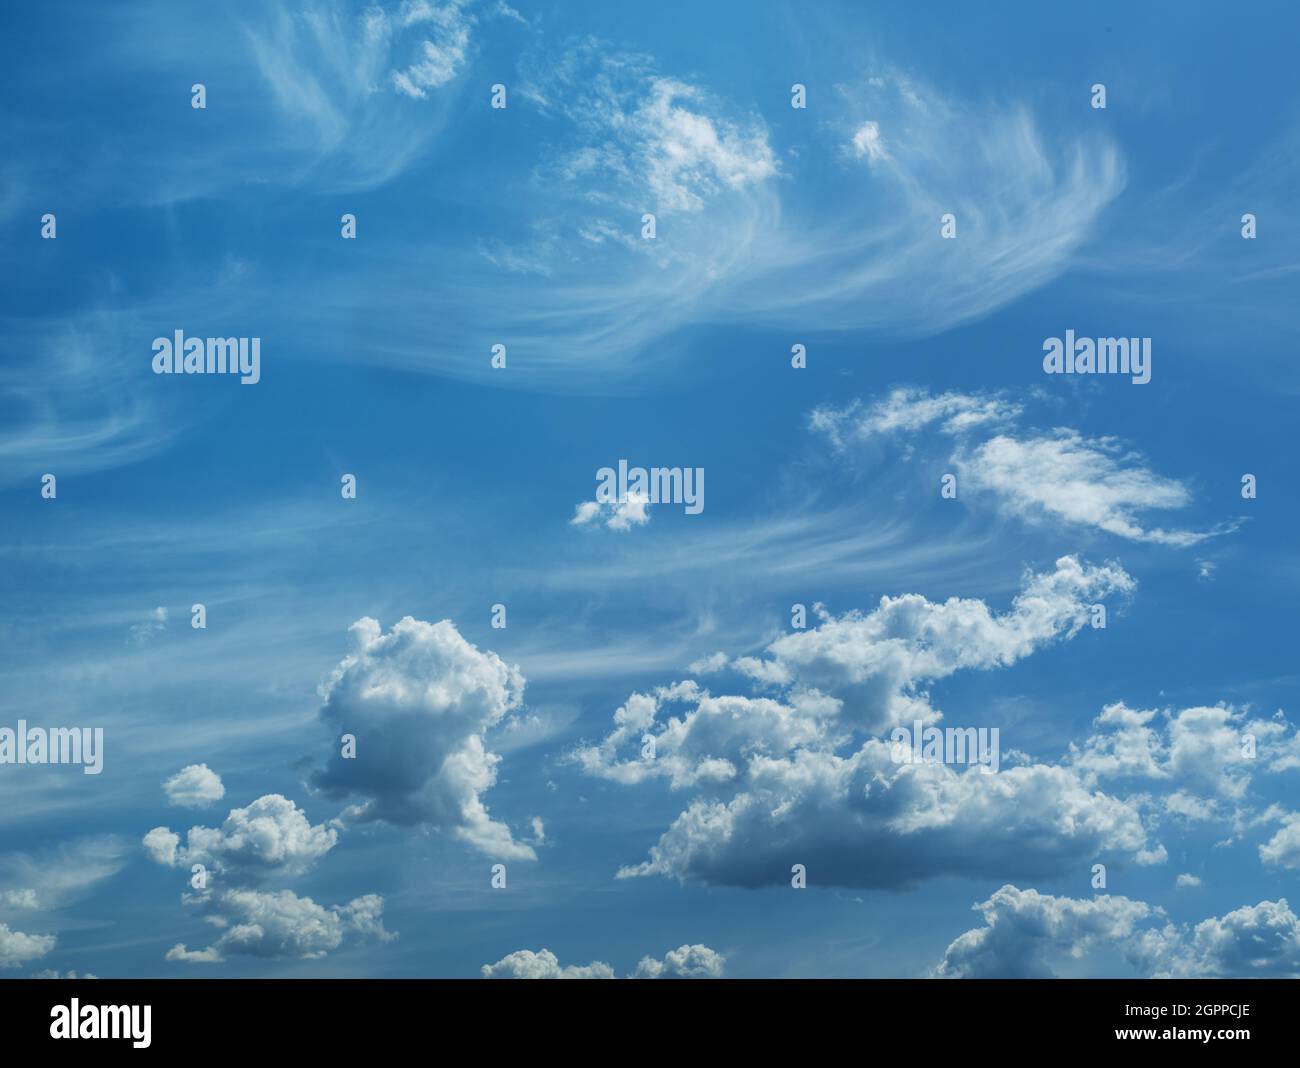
280 925
876 661
419 701
685 962
194 786
272 836
786 779
1260 940
1025 932
525 964
866 821
1203 749
1022 928
17 948
617 515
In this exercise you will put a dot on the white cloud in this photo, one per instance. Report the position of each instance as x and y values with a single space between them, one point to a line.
1026 932
634 511
419 701
783 780
867 142
1023 928
1187 879
280 925
525 964
17 948
685 962
272 836
194 786
1060 475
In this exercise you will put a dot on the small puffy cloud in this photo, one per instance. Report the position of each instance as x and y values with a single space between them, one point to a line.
708 665
280 925
1187 879
866 142
17 948
1023 929
194 786
270 837
623 515
525 964
419 700
685 962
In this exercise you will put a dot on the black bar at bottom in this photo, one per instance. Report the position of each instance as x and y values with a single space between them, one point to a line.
596 1019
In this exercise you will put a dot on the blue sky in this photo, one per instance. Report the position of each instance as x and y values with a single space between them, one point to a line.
775 226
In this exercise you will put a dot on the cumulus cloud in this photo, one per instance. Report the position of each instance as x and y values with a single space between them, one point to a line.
279 925
1260 940
17 948
877 661
1026 933
1059 475
623 515
270 837
685 962
1023 928
786 779
194 786
419 701
525 964
1210 753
